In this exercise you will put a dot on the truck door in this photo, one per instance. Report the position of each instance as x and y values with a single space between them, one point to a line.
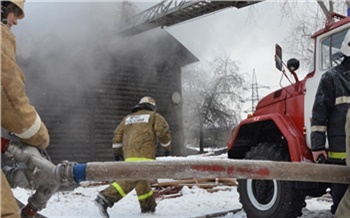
327 55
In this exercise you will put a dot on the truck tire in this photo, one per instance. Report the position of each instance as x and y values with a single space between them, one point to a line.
270 198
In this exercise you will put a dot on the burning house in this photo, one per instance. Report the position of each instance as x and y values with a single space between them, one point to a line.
84 84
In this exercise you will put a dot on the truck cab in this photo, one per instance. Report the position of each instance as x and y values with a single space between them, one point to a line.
280 128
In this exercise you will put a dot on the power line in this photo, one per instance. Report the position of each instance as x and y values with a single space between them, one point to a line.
255 92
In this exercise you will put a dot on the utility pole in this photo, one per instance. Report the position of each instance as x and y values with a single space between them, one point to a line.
255 92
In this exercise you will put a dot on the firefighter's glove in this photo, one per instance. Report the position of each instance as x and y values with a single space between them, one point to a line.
41 145
321 159
166 153
4 144
28 212
118 157
118 154
40 140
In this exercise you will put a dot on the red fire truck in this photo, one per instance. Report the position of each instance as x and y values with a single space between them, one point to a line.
279 129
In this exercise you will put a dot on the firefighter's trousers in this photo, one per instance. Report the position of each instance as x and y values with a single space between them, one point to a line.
9 208
343 210
119 189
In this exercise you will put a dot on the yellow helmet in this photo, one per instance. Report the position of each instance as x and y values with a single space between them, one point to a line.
20 4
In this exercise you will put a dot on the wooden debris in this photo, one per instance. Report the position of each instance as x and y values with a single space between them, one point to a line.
171 189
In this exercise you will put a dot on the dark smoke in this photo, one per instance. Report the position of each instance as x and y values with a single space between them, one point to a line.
67 49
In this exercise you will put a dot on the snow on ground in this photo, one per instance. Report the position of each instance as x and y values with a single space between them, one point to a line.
194 202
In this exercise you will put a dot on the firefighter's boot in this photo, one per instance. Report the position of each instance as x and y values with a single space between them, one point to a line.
148 205
102 206
28 212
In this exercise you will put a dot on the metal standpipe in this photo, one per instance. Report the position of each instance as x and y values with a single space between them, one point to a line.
44 171
38 173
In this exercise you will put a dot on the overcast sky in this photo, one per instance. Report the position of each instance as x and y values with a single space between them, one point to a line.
248 35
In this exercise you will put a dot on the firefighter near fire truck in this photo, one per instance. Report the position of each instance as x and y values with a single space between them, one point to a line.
18 116
332 101
343 209
280 128
135 140
275 132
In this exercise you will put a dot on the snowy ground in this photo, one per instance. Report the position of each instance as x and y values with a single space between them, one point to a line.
194 202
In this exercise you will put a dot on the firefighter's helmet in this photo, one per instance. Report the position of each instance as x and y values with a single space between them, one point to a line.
148 100
345 46
146 103
18 3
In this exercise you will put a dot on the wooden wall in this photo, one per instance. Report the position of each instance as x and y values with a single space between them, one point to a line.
81 123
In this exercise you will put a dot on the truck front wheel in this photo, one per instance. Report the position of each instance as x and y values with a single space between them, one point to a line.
270 198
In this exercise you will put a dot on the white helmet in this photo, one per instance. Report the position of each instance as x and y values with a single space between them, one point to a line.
345 46
147 103
148 100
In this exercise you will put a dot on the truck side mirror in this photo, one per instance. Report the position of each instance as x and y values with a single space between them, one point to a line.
278 57
293 64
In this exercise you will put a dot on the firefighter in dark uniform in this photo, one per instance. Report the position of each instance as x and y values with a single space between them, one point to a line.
332 101
135 140
343 209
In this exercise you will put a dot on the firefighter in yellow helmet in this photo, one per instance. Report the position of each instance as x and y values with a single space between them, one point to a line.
135 140
18 116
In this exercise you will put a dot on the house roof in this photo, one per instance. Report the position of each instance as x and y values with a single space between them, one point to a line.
160 46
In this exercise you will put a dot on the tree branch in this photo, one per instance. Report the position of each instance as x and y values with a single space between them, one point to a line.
324 8
348 3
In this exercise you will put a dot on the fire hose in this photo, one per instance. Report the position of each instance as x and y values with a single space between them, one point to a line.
47 177
68 173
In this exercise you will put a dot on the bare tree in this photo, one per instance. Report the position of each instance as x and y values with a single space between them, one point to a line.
309 19
223 97
213 97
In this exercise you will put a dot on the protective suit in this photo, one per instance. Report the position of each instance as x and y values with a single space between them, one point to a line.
329 111
332 101
343 210
136 138
17 115
9 208
137 135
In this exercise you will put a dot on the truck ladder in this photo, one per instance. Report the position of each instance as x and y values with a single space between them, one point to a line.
170 12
